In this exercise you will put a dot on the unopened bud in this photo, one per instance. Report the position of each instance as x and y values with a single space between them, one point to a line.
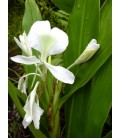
90 50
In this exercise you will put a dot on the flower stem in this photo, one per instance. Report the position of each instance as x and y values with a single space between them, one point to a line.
55 130
54 112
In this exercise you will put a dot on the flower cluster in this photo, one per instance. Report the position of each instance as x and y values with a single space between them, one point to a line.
47 42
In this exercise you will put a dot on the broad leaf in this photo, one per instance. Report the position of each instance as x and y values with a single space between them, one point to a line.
100 101
83 25
31 15
90 105
85 71
88 108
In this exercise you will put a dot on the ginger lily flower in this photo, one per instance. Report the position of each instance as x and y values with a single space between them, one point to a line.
90 50
48 42
32 109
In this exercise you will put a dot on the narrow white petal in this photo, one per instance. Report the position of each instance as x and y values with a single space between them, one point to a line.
25 60
22 84
27 120
19 44
38 29
23 44
61 41
29 107
32 96
61 73
37 112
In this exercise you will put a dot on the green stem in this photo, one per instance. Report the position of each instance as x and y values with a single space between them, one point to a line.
55 114
55 131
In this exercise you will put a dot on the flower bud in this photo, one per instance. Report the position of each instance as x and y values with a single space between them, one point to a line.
90 50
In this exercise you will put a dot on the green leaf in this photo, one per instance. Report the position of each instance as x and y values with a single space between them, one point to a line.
109 135
83 25
100 101
13 94
92 103
88 108
85 71
65 5
31 15
75 110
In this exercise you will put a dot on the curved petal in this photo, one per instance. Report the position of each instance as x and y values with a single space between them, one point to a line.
25 60
61 73
29 105
38 29
90 50
93 45
37 112
61 41
22 84
27 120
19 44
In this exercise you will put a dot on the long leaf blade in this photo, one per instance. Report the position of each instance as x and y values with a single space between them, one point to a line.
100 101
83 25
89 106
31 15
83 75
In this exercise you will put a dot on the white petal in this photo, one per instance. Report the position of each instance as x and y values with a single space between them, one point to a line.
23 44
38 29
37 112
61 41
28 116
27 120
22 84
93 45
90 50
29 107
25 60
19 43
61 73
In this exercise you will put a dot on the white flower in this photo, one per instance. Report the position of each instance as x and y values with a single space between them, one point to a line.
32 109
23 82
48 42
90 50
23 44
